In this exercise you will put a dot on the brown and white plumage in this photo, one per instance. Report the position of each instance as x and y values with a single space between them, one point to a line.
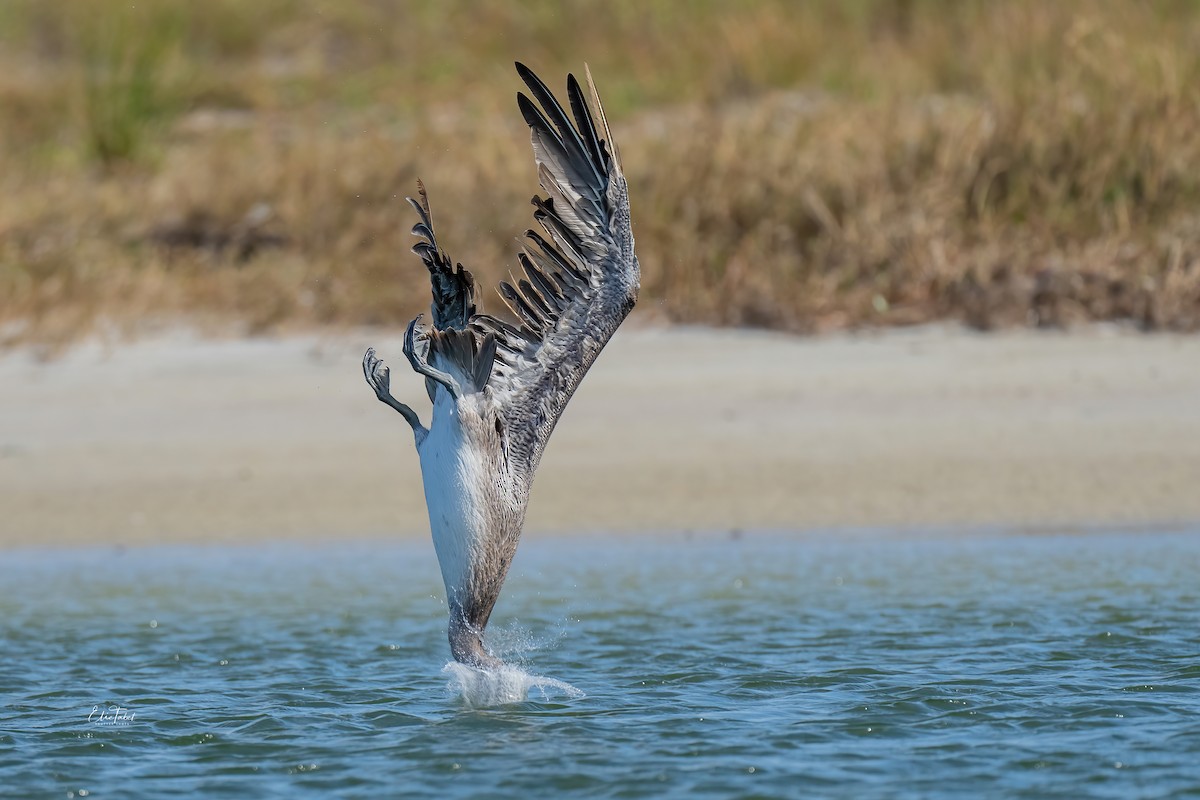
499 389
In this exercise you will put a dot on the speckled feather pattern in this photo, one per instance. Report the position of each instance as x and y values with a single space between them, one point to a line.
483 446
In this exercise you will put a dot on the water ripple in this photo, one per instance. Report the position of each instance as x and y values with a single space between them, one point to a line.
767 666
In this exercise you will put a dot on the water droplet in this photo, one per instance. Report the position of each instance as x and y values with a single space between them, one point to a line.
153 623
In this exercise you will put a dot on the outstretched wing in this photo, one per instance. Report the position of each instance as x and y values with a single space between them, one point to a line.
581 279
453 287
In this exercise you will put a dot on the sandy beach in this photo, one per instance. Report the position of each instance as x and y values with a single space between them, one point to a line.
180 439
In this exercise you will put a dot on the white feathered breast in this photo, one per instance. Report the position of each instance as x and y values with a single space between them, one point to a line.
453 473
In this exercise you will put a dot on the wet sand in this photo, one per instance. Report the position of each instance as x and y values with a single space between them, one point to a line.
178 439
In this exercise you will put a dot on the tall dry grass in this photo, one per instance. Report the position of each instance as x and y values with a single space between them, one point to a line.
799 166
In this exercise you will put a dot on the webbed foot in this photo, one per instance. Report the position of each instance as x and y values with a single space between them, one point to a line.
379 378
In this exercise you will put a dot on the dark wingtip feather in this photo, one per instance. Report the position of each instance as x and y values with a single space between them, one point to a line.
554 117
518 305
587 126
533 117
425 202
453 288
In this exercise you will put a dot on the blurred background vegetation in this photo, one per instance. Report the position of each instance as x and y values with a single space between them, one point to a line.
797 165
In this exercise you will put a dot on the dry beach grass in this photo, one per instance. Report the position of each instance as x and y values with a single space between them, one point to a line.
797 166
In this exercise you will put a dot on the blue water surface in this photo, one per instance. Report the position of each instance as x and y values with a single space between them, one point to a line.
764 665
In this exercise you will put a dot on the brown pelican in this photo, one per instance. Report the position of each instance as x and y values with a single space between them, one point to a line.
499 389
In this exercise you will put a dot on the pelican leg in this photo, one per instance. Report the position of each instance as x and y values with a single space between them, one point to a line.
421 366
379 378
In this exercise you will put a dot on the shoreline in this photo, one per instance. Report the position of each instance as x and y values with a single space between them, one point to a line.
370 544
184 440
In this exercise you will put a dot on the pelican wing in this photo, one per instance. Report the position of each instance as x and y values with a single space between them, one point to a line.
453 287
581 278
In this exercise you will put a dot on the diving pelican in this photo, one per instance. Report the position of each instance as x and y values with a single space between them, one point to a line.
499 389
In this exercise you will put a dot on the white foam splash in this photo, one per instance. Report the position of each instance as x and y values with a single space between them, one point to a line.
480 688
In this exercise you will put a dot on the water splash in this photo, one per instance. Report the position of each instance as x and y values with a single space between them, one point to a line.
513 642
480 688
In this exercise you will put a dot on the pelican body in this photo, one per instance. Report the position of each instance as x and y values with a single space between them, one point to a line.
497 388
